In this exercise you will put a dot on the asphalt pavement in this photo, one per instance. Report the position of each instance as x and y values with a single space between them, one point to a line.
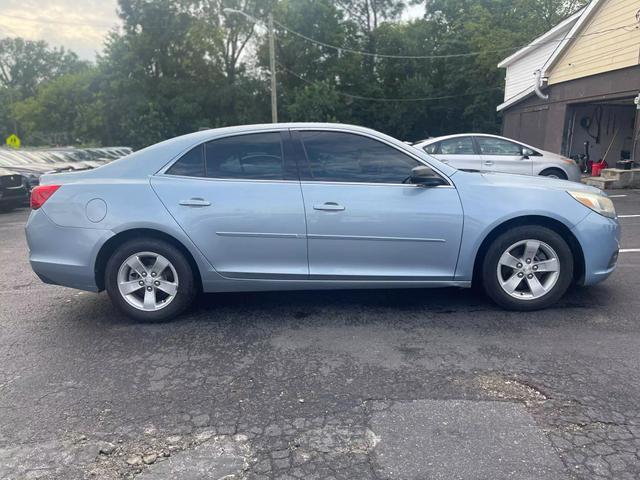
392 384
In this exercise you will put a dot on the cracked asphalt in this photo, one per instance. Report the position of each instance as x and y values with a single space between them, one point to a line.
395 384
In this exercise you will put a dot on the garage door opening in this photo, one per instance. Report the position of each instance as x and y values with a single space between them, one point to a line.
601 130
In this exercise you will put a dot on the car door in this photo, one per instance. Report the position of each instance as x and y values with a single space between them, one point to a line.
459 152
239 200
363 222
500 155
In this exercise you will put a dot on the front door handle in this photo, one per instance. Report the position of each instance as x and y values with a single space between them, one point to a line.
195 202
329 207
488 162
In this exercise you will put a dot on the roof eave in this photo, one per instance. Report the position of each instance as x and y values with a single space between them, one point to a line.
513 100
565 25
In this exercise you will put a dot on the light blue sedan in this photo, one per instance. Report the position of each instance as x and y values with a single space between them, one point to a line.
311 206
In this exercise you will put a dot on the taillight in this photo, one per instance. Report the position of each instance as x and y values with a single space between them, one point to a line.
41 194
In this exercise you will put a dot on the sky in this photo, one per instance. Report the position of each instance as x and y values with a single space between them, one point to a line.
78 25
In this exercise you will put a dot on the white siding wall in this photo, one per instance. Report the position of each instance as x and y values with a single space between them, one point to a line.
520 73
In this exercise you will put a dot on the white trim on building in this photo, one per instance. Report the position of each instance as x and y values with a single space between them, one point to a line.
520 80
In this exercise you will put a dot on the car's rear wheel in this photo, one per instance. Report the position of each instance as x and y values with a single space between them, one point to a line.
150 280
554 173
527 268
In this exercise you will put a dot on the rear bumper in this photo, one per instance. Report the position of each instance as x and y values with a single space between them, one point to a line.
64 255
600 240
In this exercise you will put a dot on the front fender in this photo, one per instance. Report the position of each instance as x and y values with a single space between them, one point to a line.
488 206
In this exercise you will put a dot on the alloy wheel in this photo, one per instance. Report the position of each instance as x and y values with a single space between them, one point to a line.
147 281
528 269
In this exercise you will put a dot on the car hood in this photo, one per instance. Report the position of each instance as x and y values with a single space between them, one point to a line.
547 155
543 183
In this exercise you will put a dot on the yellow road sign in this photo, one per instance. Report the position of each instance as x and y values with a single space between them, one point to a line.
13 141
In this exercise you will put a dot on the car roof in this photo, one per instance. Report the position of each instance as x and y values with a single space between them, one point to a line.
151 159
432 140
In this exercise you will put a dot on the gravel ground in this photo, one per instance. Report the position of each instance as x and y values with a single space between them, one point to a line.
406 384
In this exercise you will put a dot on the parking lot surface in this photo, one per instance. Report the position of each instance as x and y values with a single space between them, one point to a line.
407 384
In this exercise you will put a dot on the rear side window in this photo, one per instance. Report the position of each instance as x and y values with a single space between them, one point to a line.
253 157
191 164
346 157
457 146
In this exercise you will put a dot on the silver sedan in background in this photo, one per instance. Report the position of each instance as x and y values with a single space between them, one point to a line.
492 153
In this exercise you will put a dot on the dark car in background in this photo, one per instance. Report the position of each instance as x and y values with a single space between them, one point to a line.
31 173
13 191
31 164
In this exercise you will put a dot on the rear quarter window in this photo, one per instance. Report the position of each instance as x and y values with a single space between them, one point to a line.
432 148
191 164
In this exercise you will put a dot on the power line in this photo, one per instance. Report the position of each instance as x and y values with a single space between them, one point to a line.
339 49
385 99
343 49
629 28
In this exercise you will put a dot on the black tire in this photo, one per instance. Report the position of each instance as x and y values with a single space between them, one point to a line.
555 173
187 287
490 278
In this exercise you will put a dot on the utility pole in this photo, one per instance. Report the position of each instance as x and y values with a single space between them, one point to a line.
272 66
272 56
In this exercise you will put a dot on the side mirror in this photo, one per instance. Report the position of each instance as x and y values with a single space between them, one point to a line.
425 176
526 153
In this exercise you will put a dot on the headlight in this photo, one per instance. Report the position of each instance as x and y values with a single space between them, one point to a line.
598 203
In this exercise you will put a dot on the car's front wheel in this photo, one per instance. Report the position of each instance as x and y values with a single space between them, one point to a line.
527 268
150 280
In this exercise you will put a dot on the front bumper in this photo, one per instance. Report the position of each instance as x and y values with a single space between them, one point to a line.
600 240
573 173
64 255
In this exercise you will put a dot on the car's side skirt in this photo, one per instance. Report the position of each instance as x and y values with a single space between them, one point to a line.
255 284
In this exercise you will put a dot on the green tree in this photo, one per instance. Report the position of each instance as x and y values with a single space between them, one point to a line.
25 64
304 69
180 65
172 72
64 111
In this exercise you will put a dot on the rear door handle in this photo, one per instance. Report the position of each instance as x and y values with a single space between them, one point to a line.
195 202
329 207
488 162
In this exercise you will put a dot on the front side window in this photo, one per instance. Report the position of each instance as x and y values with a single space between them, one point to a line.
457 146
347 157
256 156
497 146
